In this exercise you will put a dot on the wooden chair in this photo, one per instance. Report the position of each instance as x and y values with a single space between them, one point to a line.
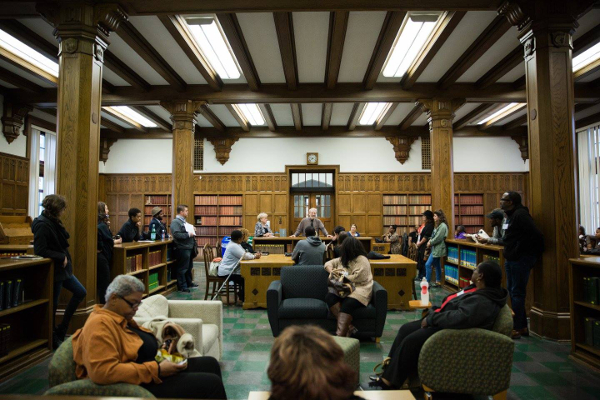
215 281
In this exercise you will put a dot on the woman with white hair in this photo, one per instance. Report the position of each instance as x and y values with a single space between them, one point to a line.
112 348
262 229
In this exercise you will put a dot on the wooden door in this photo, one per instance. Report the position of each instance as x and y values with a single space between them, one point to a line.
302 202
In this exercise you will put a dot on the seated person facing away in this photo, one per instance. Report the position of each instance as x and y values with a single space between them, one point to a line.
132 228
309 251
412 236
307 364
592 243
337 249
336 232
353 231
262 229
231 260
313 221
111 348
498 221
476 306
460 232
247 246
394 239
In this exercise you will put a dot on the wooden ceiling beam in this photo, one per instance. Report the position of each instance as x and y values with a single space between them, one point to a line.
503 67
586 71
287 47
243 123
484 41
326 115
144 49
412 116
449 22
297 115
160 123
134 134
587 40
338 25
476 113
212 118
379 124
268 115
117 66
18 81
233 31
387 35
515 122
357 110
135 125
583 122
113 126
497 121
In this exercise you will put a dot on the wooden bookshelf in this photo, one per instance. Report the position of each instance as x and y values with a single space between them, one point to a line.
469 211
215 216
31 320
154 258
582 309
157 200
404 210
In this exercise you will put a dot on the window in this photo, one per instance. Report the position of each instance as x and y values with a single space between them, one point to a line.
198 154
312 180
42 168
588 147
425 153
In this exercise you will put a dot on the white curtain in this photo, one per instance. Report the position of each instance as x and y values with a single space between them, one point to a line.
34 169
588 147
50 164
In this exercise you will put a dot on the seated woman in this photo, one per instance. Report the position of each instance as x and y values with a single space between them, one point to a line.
476 306
261 229
245 245
354 261
307 364
340 239
353 231
460 232
112 348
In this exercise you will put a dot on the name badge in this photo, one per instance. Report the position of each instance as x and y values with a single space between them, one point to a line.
505 226
460 293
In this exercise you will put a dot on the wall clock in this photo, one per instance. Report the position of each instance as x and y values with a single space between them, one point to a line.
312 158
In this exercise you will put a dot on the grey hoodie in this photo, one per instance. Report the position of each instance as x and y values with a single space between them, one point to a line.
309 251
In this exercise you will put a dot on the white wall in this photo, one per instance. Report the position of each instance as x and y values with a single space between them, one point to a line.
18 147
493 154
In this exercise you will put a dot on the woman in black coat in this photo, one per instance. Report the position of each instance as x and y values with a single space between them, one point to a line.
51 240
105 251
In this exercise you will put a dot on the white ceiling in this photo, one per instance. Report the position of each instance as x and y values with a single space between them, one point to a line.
282 114
464 110
31 77
399 113
311 31
311 114
224 115
42 115
340 113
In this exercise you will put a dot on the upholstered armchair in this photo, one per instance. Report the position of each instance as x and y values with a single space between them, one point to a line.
299 298
448 362
63 381
203 319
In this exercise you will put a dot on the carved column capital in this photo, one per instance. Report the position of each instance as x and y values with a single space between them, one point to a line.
440 112
223 148
183 113
523 143
514 13
401 146
105 145
13 119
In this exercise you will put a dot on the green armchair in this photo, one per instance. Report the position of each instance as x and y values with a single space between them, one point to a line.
63 381
447 362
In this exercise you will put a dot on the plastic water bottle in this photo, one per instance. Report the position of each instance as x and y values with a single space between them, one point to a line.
424 292
162 234
153 234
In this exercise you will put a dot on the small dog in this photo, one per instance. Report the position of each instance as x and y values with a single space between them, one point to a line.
172 337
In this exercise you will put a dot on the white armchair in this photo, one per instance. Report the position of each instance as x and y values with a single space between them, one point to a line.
202 319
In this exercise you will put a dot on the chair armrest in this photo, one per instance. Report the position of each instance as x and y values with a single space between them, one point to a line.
274 299
380 301
85 387
211 312
447 361
193 326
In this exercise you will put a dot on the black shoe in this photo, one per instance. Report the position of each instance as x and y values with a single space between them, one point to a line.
192 285
379 383
185 290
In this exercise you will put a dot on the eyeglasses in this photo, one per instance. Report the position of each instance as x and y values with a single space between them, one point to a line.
132 305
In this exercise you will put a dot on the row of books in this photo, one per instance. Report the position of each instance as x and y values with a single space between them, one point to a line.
419 199
220 200
473 229
452 254
11 293
591 289
163 199
395 220
230 210
394 210
471 220
468 258
148 209
210 221
271 248
134 263
592 332
471 210
153 281
230 221
154 258
205 210
395 199
414 210
205 200
469 199
202 240
403 199
488 257
230 200
451 274
463 283
206 230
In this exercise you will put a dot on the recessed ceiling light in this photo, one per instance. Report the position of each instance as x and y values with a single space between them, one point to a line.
503 112
129 113
373 112
586 58
251 113
28 54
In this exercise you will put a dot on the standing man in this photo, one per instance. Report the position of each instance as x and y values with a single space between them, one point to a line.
313 221
497 219
157 224
309 251
523 244
132 228
184 243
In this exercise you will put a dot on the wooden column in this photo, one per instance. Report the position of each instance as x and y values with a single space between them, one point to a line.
546 30
82 31
440 113
183 115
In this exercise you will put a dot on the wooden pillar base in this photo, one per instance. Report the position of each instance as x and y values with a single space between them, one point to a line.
550 325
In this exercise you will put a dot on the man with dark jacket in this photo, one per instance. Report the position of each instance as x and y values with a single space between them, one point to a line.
184 243
131 229
157 224
497 220
476 306
309 251
523 244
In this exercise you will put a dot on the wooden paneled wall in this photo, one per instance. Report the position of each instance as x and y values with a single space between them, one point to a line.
358 196
14 184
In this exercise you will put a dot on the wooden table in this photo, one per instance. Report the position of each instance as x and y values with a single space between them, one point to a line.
383 248
365 394
13 249
396 274
258 275
287 243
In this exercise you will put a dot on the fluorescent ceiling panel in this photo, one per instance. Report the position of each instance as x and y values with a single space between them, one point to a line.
373 112
251 113
504 111
130 114
587 57
26 53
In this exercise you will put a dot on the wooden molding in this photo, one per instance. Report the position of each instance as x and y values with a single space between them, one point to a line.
268 115
285 36
387 35
42 123
412 116
18 81
223 148
523 143
401 146
326 115
338 24
113 126
105 144
592 119
13 119
355 115
297 115
484 41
